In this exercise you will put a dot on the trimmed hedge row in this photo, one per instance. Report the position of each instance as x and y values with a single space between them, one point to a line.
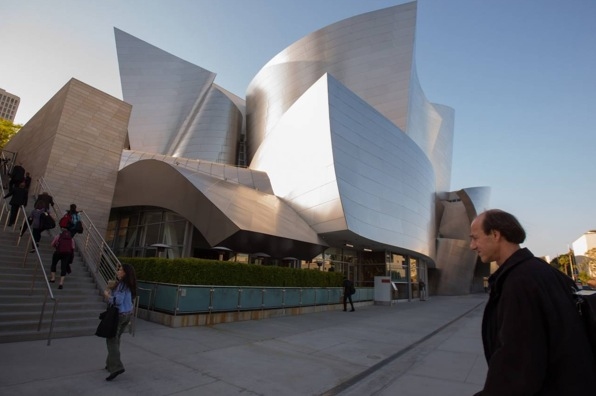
192 271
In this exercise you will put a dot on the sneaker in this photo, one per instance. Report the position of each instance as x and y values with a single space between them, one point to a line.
60 287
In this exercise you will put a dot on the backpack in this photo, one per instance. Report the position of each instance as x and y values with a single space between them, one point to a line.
65 220
586 306
64 243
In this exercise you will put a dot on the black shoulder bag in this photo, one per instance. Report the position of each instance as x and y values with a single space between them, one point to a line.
108 326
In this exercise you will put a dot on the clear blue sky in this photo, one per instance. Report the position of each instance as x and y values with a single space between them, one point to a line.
520 75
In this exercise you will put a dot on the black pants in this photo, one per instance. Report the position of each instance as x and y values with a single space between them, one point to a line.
65 260
14 210
346 298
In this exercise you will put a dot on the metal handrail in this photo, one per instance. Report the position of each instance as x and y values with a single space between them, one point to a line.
94 250
45 275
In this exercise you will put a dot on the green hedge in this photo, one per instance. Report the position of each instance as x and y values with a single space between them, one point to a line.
191 271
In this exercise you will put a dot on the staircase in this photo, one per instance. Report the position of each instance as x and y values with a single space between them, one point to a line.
78 304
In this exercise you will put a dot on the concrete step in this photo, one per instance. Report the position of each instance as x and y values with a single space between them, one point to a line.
23 290
59 331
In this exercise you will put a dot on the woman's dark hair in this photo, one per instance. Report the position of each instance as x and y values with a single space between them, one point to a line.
505 223
130 279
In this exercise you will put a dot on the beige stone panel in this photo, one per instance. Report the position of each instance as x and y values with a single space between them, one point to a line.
75 142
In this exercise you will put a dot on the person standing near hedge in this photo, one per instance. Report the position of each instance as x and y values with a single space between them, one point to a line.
122 296
348 291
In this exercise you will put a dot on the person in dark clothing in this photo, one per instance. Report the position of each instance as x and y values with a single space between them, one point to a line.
16 177
27 180
534 340
75 220
36 224
64 245
46 199
422 290
348 286
19 197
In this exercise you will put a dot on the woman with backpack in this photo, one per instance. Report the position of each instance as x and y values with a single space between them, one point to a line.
72 221
64 245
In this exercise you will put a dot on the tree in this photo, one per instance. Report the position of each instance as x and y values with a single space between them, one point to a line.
590 260
561 263
7 130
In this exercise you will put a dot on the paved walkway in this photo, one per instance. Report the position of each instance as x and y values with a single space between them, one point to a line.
408 349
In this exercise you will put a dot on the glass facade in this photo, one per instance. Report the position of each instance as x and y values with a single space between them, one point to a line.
132 232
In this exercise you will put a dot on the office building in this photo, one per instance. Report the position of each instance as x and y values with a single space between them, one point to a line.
9 104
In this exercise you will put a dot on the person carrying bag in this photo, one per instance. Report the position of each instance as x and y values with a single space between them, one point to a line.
121 297
108 326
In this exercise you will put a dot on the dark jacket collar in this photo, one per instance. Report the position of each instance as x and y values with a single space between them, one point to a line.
513 261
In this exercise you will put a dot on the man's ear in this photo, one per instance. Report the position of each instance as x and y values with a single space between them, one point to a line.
495 234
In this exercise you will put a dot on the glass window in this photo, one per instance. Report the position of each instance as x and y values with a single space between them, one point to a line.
397 268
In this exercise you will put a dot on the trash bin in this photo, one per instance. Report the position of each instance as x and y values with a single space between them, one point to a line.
384 290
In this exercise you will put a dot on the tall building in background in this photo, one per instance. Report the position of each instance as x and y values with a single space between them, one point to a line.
335 159
9 104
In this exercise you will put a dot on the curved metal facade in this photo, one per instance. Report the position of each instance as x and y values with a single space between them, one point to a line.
177 110
366 176
371 54
343 145
460 271
225 211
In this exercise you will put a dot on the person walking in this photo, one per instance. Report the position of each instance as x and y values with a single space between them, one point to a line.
47 200
121 295
534 340
422 290
348 291
65 246
36 224
16 177
27 180
20 196
72 221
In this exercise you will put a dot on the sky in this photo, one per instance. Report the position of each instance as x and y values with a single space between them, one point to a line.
520 74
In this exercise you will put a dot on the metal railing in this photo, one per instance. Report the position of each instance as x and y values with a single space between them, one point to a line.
94 250
38 263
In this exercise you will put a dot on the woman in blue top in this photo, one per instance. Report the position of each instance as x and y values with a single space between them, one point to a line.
122 296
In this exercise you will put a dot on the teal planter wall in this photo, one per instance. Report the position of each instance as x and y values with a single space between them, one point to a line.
192 299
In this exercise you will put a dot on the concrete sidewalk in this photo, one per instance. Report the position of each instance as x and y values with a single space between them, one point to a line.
418 348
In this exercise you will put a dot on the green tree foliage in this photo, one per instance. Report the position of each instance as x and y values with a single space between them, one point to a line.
562 264
583 277
590 260
7 130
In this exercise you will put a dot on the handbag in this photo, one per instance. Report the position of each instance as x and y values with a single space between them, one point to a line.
47 222
108 326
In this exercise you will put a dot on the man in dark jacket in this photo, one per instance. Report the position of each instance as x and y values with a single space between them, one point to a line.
19 197
534 340
16 177
348 288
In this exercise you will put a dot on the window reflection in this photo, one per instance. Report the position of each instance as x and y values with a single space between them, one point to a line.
132 231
